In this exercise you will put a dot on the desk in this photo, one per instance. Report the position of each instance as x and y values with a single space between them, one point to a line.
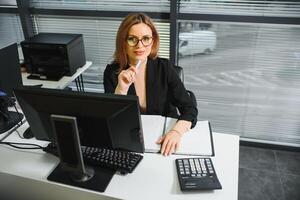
23 175
62 83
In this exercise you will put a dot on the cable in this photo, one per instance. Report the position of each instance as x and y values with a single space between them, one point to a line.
20 116
12 101
19 134
13 144
19 124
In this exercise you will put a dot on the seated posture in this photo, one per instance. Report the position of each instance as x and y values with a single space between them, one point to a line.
137 70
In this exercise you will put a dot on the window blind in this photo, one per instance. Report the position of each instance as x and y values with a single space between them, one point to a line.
99 40
8 3
249 83
105 5
10 29
275 8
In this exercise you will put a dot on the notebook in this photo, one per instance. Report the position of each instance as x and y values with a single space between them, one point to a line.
197 141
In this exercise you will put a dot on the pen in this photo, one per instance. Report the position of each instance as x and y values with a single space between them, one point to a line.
138 64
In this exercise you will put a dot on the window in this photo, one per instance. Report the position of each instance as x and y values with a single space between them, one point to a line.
248 81
10 29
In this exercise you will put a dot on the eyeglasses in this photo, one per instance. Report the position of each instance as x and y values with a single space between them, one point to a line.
133 41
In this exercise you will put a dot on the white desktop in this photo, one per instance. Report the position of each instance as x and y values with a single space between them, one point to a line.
60 84
23 175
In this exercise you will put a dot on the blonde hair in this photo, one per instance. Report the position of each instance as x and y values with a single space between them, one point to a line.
120 55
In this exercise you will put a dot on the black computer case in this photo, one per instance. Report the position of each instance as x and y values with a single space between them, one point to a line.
53 55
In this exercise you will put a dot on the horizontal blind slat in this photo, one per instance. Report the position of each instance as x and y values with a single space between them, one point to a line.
240 7
105 5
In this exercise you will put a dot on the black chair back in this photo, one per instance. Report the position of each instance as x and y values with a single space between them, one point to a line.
180 73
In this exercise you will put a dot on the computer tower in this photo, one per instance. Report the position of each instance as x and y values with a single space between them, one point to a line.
51 56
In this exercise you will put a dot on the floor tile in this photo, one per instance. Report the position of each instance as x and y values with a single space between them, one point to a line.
288 162
291 186
257 158
259 185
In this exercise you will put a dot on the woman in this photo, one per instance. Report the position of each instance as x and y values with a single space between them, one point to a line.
155 81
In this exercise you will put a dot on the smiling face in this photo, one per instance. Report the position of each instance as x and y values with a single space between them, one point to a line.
141 32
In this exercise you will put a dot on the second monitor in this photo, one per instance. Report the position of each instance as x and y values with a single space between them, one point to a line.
10 77
104 120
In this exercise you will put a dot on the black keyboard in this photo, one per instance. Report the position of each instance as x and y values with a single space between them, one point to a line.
197 174
121 161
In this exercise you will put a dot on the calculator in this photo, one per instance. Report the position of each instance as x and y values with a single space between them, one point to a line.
197 174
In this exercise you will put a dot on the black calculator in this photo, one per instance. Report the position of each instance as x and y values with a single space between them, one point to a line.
197 174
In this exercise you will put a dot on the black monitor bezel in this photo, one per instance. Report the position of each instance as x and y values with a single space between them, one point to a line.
130 140
10 70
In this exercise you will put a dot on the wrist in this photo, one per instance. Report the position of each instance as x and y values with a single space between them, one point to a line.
119 90
176 131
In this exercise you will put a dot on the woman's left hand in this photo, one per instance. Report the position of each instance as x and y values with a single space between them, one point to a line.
170 142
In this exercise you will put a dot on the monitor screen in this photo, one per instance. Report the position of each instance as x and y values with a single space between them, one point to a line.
10 71
104 120
10 77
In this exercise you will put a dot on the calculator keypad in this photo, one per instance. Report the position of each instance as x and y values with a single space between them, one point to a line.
197 173
195 167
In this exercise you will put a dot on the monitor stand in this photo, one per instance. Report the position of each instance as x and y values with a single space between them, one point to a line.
10 120
72 169
98 182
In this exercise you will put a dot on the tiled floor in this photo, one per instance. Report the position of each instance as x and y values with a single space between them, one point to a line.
266 174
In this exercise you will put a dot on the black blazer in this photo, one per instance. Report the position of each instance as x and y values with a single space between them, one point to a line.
164 90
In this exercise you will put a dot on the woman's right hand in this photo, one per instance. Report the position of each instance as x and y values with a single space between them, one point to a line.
125 79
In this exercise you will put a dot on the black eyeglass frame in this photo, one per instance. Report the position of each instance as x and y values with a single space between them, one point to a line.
140 40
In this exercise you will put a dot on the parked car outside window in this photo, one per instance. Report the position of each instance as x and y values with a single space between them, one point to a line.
197 42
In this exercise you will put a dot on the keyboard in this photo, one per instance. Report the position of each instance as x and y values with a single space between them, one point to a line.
121 161
197 174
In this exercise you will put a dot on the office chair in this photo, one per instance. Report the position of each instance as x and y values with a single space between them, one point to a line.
179 71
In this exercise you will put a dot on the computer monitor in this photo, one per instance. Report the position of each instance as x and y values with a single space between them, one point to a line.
10 71
104 120
10 77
